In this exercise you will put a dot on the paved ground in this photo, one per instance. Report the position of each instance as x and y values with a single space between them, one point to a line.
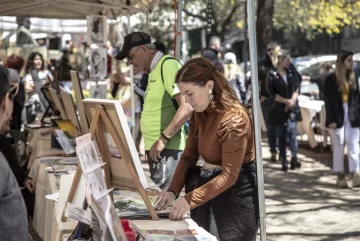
305 204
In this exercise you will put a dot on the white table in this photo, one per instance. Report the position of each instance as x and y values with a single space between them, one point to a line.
309 108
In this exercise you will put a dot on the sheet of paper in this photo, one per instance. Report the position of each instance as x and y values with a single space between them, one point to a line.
69 161
111 145
113 222
64 142
83 139
79 214
54 196
88 156
95 179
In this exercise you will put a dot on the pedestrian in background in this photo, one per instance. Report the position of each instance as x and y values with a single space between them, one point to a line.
284 113
342 105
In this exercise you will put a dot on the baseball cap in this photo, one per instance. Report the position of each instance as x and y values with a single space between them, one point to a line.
132 40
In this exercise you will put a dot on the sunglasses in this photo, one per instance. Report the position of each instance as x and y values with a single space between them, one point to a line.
129 56
270 49
14 89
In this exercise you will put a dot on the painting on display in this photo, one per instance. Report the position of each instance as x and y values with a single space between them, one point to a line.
98 62
96 29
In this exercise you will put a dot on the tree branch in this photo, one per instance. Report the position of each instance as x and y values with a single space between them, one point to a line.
229 17
194 15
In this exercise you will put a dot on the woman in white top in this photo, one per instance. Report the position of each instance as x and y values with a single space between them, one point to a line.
36 101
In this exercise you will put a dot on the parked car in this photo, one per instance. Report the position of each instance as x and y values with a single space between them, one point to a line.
313 65
314 69
302 62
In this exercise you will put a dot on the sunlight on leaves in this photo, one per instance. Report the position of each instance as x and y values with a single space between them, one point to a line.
315 16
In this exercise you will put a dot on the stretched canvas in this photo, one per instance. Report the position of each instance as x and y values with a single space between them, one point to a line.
96 29
58 103
98 62
79 96
70 108
120 174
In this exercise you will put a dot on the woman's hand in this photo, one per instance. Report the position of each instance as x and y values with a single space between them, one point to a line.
332 125
179 209
291 103
30 185
164 200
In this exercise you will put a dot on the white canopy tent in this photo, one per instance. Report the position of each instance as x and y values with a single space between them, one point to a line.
74 9
38 25
57 11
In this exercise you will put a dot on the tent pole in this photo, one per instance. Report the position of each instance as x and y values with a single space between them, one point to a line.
132 92
256 113
178 35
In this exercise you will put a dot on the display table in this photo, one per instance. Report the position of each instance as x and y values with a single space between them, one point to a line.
45 211
141 226
34 137
46 219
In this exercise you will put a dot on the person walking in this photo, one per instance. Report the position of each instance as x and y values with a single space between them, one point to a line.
284 113
342 106
265 66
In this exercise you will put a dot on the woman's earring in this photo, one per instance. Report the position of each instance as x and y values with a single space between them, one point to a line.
211 99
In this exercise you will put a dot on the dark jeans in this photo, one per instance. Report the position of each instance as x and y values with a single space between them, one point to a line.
16 117
162 172
235 211
287 133
29 199
271 130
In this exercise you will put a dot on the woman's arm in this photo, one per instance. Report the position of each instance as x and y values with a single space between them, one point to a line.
271 90
28 84
49 76
188 159
282 100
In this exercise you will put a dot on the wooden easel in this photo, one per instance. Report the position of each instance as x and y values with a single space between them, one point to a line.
97 129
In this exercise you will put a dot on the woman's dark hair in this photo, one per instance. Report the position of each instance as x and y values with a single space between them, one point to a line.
30 64
342 74
14 62
96 23
199 71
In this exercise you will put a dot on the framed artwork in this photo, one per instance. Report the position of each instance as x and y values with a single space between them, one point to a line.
48 98
96 29
120 174
98 62
70 109
79 96
58 103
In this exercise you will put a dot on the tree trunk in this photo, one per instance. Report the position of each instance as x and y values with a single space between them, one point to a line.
265 12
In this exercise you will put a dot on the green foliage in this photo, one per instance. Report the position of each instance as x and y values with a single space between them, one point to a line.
226 15
316 16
